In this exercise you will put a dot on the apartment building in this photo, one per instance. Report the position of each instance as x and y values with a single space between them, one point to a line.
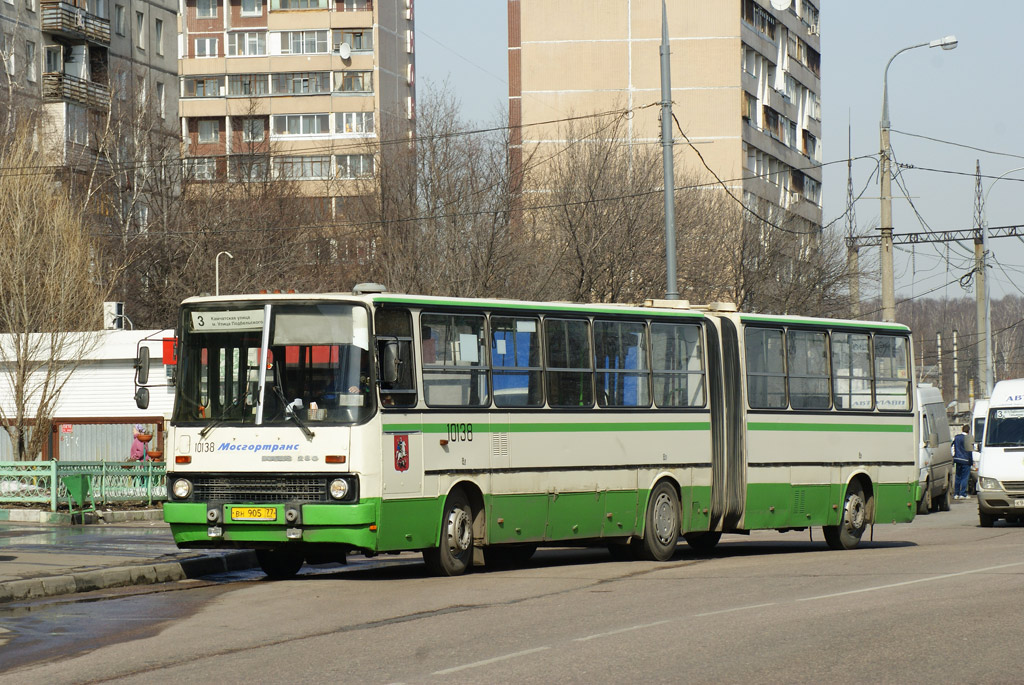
746 85
298 90
78 60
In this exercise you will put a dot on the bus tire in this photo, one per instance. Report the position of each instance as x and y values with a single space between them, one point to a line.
925 505
855 520
702 542
986 520
455 553
279 564
661 529
944 503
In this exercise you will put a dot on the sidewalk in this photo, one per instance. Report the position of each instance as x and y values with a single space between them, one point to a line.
41 559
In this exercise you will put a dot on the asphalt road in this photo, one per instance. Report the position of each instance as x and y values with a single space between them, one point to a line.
933 601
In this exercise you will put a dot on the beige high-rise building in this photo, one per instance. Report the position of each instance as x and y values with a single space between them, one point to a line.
746 84
300 90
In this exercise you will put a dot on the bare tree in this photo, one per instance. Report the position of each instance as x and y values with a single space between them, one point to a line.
50 294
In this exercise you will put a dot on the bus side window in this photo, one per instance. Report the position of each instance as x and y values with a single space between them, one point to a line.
394 351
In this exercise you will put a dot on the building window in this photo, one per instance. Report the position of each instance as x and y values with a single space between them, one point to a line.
30 61
354 166
54 59
206 9
355 122
201 168
303 4
140 30
206 47
301 83
200 87
248 168
30 5
253 130
77 124
247 44
357 39
247 84
158 36
354 81
314 167
252 8
161 100
356 5
300 124
303 42
119 19
209 130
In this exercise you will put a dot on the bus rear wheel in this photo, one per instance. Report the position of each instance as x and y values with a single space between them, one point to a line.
848 533
661 529
702 542
279 564
455 553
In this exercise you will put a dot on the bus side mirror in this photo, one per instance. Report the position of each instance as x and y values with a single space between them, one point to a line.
142 366
142 398
390 362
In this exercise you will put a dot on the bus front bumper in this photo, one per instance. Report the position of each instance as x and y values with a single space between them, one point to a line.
252 526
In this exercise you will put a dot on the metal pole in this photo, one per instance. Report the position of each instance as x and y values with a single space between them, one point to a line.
956 370
671 291
853 265
938 356
216 270
989 375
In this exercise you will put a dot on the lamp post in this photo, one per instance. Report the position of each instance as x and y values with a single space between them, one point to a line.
216 270
888 285
983 279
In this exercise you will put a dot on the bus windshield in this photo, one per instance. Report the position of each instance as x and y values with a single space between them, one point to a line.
1005 428
317 366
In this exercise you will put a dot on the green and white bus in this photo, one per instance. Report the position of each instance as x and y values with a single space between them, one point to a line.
309 427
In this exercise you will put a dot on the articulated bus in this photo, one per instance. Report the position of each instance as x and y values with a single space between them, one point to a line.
310 427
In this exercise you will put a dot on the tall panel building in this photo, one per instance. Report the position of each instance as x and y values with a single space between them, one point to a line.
746 85
77 60
298 90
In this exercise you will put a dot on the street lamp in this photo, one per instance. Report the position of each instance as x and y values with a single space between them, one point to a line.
216 270
888 286
983 276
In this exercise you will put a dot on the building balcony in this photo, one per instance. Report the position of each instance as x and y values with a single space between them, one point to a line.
72 22
62 87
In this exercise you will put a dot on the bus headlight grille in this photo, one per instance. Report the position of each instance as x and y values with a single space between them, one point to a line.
258 489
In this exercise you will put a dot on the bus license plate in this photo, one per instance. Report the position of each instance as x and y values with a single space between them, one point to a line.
1018 502
253 513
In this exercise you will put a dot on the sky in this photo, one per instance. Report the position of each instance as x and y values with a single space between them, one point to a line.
965 97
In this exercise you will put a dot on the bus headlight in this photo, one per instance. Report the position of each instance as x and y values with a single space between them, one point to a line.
338 488
988 484
181 488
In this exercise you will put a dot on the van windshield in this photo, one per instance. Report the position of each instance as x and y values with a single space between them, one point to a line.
1005 428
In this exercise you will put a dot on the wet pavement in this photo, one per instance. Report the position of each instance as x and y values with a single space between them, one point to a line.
38 560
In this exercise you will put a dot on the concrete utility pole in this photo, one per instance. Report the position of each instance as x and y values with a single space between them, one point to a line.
852 251
671 291
888 285
956 371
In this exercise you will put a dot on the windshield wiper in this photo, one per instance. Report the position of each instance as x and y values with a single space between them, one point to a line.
223 417
289 412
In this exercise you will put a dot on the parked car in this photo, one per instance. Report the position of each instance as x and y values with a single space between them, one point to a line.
934 456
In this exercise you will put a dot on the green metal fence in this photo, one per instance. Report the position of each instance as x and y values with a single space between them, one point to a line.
112 481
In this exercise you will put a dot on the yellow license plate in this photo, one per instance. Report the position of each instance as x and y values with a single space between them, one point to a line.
253 513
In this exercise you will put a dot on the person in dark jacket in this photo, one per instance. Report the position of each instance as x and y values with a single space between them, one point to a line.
963 457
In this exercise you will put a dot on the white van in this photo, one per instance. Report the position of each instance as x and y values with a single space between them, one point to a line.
1001 472
978 416
934 457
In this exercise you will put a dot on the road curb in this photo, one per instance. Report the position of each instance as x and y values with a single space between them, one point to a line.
88 518
122 576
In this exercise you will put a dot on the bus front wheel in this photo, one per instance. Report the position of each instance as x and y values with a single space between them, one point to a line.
855 520
661 529
279 564
455 553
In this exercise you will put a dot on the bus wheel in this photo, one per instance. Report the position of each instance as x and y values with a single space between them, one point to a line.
702 542
945 496
455 554
508 556
279 564
986 520
855 520
925 505
661 530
